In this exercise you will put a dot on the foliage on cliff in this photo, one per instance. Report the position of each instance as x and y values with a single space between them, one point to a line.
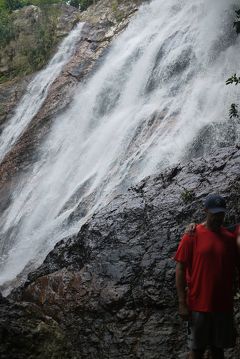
233 111
6 29
29 35
25 47
11 5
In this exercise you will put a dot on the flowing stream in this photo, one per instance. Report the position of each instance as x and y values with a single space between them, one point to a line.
159 97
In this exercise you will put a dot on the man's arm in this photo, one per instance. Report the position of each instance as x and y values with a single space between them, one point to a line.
181 290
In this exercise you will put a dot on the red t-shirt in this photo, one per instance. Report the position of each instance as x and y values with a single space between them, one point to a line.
211 260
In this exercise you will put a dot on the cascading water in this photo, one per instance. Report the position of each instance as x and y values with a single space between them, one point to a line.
37 92
159 87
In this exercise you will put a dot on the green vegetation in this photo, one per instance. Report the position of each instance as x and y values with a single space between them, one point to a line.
26 47
236 23
7 31
2 109
233 112
233 80
82 4
187 196
29 50
45 41
79 4
119 15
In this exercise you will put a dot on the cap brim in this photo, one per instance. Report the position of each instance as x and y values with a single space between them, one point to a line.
217 210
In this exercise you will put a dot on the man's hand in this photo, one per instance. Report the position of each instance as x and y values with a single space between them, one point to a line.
190 229
184 311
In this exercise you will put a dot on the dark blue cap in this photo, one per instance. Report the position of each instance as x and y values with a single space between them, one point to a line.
215 203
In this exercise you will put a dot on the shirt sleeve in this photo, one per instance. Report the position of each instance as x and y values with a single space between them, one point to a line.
185 251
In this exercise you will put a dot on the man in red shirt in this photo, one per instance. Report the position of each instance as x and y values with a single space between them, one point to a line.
206 265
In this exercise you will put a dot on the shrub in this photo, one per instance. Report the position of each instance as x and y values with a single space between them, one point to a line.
45 41
7 31
11 5
187 196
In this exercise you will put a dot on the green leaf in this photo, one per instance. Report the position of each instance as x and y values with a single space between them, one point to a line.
233 112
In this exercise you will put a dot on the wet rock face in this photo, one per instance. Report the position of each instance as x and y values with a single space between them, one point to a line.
111 288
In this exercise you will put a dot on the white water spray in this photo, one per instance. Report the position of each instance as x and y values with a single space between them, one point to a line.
161 84
36 92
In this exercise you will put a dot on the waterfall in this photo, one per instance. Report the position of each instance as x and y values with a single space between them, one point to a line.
37 92
158 97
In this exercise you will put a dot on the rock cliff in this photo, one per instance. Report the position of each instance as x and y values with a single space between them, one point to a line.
109 291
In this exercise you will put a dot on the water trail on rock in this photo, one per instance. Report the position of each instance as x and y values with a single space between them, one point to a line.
161 85
37 92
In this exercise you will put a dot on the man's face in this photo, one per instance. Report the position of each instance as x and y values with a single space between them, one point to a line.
215 220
